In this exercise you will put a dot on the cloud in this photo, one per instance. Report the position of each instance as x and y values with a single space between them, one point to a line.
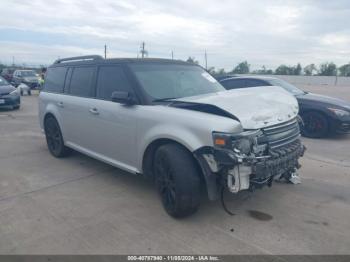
263 32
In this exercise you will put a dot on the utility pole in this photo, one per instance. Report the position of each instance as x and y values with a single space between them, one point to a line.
206 59
143 51
105 51
13 60
172 54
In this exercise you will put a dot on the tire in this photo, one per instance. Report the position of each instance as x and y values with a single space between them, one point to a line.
54 138
177 179
316 125
21 92
16 107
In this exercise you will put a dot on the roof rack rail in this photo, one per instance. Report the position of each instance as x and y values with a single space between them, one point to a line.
78 58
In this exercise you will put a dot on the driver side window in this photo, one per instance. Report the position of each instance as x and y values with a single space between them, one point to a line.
111 79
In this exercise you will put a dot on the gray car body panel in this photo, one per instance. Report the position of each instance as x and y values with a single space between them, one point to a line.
120 134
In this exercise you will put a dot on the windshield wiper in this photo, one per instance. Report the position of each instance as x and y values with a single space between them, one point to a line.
164 99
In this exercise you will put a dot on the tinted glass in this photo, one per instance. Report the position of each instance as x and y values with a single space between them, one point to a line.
54 81
27 73
110 79
81 81
175 81
3 82
234 83
255 82
287 86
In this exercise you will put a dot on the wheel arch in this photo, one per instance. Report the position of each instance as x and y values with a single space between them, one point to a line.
149 153
326 115
52 114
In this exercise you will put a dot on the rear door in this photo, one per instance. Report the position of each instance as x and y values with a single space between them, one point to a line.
77 102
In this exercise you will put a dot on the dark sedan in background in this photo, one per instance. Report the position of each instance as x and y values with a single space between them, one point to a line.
322 115
7 73
9 96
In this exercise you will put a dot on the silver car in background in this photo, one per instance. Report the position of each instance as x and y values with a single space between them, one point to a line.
172 122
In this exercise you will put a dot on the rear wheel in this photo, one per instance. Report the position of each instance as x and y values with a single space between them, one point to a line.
177 179
315 125
54 138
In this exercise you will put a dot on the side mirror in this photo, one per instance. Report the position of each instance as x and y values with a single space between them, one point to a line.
123 97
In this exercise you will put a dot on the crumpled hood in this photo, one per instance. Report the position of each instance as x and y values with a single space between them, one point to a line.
254 107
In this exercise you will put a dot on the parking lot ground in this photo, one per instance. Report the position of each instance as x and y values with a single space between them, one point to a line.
78 205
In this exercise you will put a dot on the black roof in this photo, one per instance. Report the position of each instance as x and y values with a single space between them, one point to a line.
93 59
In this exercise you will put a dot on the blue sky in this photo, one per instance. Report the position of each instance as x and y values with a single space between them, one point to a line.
263 32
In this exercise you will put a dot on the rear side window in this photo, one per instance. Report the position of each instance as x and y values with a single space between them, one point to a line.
111 79
81 81
234 83
54 81
255 82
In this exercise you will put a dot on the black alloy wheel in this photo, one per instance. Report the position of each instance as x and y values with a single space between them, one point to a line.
54 138
177 180
315 125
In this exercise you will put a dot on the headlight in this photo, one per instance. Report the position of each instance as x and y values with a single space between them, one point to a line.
14 93
241 142
339 112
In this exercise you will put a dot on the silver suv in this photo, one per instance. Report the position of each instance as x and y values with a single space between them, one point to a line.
172 122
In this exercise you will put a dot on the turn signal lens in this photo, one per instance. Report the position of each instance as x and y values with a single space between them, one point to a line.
220 142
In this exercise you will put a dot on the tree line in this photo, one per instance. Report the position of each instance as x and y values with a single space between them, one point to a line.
324 69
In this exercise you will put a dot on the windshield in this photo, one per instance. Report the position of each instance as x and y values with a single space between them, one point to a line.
27 73
289 87
3 82
174 81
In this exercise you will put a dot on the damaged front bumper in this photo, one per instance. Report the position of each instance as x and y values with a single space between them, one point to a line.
251 173
237 172
225 167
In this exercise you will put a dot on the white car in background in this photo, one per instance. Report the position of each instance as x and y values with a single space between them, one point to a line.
23 88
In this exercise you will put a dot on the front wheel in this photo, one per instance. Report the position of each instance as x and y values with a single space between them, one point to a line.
315 125
177 180
54 138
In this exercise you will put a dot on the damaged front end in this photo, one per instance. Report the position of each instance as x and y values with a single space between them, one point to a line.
252 158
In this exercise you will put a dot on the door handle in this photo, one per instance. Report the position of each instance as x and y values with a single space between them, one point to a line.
60 104
94 111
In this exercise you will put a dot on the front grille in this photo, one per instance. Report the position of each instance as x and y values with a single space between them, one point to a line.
281 134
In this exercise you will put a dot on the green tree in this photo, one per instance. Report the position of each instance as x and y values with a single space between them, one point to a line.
211 70
263 71
310 69
192 60
328 69
297 69
242 68
284 70
344 70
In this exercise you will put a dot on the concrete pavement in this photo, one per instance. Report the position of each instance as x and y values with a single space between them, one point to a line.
78 205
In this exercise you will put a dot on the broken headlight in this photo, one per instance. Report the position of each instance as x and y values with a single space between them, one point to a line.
240 143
